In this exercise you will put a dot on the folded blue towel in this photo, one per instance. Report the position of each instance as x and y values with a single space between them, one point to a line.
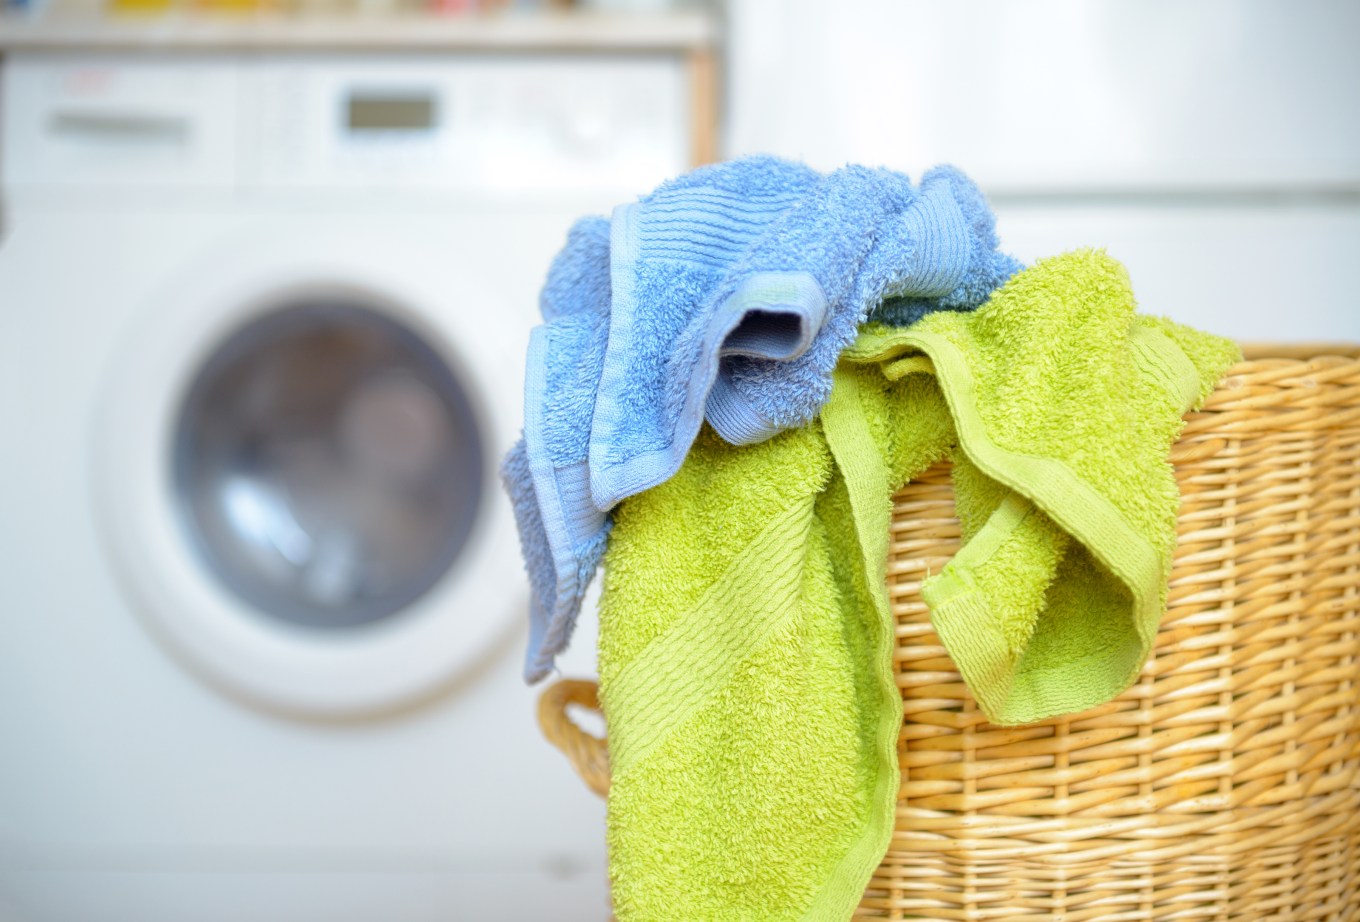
736 286
727 295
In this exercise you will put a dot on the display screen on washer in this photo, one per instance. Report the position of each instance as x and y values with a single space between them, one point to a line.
328 464
369 111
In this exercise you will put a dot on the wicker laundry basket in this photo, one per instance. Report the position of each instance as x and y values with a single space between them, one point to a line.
1226 783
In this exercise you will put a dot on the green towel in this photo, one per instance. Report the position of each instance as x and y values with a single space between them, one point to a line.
745 637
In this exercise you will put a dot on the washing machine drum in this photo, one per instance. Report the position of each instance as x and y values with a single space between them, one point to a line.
327 464
295 483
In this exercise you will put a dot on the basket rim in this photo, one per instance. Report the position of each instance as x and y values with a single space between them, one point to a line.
1258 351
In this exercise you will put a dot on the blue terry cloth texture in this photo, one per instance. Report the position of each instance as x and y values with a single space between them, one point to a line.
727 295
561 532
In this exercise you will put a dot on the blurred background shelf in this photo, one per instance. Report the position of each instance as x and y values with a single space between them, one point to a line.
678 31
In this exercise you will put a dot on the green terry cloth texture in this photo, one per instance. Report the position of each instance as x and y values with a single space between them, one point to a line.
746 642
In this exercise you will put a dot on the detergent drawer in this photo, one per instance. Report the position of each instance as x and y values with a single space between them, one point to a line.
86 121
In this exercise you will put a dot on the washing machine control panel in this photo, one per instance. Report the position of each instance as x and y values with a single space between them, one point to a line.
486 124
495 124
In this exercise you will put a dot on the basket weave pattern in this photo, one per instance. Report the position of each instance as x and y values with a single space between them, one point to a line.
1226 783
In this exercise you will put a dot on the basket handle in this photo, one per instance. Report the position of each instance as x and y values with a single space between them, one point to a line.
588 754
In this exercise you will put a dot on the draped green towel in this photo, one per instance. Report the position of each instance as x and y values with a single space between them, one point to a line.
745 637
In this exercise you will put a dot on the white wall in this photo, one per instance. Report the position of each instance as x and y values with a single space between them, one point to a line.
1212 146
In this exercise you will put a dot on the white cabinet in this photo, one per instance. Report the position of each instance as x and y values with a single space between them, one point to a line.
1213 146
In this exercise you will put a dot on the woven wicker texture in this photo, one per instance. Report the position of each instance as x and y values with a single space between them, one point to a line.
1226 783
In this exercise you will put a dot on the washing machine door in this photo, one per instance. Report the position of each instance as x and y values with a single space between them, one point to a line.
295 474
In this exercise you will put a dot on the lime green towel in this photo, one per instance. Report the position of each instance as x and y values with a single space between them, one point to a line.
745 637
1066 404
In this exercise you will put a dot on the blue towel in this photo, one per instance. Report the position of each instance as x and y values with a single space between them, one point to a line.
561 532
727 295
736 286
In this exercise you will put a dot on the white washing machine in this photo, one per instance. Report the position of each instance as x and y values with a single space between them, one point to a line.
262 326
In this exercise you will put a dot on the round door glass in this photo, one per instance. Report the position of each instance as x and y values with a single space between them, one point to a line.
328 464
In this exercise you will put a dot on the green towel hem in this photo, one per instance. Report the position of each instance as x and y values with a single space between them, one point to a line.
867 481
